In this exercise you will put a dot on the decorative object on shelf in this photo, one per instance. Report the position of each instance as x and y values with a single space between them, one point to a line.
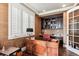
51 22
30 33
29 30
3 45
3 48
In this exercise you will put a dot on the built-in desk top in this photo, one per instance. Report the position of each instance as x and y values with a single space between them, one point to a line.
9 51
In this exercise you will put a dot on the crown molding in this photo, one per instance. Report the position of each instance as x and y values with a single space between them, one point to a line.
61 10
57 11
30 7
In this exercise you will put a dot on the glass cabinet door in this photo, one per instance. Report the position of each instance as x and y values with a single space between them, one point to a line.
76 12
76 26
71 44
76 46
71 41
76 32
70 32
70 38
76 19
71 20
76 29
70 26
70 15
76 39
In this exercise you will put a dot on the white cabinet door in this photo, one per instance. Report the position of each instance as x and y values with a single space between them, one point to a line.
28 22
25 23
14 22
32 22
19 22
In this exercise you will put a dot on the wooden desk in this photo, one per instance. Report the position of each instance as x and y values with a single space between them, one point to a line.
9 51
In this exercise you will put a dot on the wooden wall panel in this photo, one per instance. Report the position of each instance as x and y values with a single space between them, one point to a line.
3 23
37 25
19 42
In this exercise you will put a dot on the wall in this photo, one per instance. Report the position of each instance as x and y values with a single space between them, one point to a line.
19 42
37 25
57 32
3 23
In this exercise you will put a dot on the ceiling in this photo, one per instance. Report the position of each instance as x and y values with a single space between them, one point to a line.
44 9
48 6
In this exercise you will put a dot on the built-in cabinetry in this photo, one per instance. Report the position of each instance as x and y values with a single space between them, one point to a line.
20 18
73 29
52 23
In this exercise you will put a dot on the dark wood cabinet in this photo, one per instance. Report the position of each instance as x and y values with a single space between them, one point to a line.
52 23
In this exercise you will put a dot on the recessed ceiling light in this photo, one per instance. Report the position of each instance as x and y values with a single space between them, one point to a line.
43 10
63 5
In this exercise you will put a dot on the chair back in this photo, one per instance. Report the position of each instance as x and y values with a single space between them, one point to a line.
46 36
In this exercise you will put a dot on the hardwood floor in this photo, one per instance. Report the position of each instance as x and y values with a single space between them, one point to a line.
64 52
